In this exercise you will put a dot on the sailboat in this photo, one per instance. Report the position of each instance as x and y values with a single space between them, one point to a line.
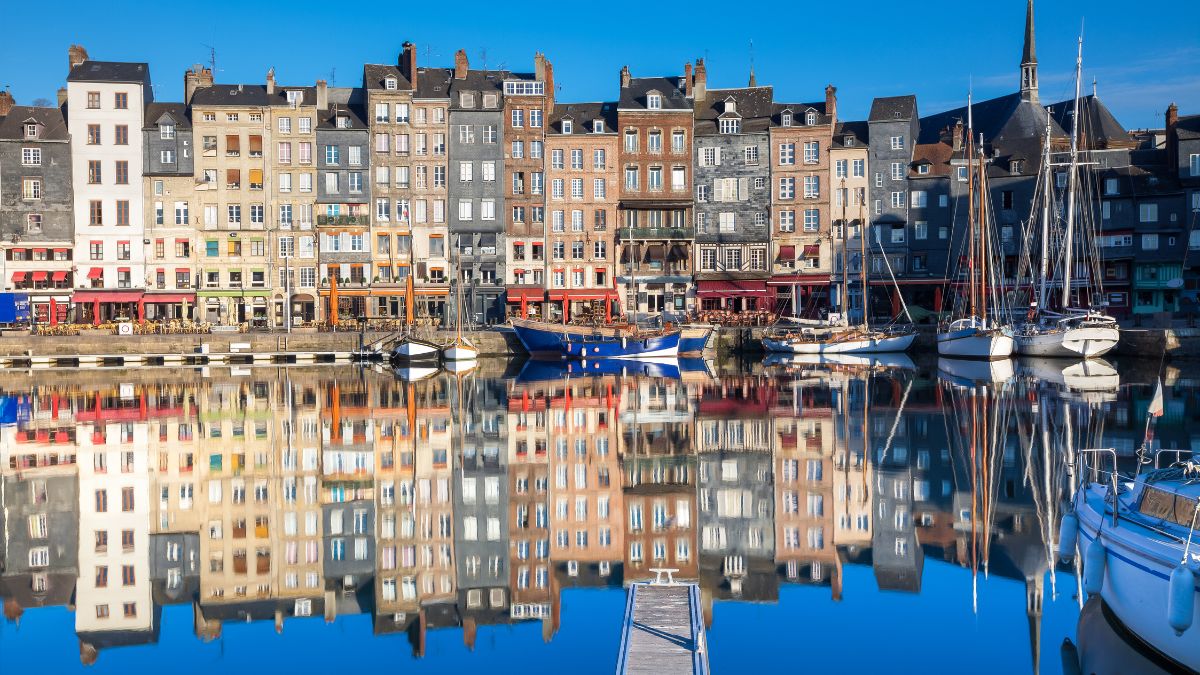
409 349
1074 331
978 333
460 349
837 337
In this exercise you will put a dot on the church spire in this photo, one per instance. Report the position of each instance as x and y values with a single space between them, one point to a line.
1029 83
753 80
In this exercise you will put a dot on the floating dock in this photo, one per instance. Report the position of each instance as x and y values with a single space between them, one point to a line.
663 633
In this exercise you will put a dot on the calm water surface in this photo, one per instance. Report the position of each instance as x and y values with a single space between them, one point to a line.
836 516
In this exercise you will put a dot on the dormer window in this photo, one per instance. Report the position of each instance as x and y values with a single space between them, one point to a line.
566 126
466 99
731 125
295 97
786 119
654 101
166 131
597 126
489 100
343 122
1015 166
389 84
848 142
31 130
923 169
810 117
730 105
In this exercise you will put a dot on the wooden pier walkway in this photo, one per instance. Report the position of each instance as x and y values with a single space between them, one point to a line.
663 633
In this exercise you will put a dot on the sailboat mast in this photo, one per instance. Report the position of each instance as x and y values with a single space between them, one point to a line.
984 250
971 235
862 239
1047 196
409 292
1072 181
845 260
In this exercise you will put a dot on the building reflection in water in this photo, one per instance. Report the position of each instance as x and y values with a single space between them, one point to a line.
467 500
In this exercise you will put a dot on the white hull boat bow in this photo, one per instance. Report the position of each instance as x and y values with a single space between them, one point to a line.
973 342
1086 342
410 350
460 350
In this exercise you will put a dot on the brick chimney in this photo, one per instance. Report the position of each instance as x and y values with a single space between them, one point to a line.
6 102
460 64
687 79
76 55
549 87
62 96
625 77
271 81
956 138
195 78
322 95
408 63
700 86
831 102
1172 121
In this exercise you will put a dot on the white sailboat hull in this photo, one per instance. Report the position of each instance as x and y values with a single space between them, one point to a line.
866 345
1082 342
460 351
977 370
415 350
972 343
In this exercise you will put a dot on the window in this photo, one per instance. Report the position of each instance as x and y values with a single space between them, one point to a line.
897 142
1148 213
920 198
518 118
860 168
787 153
31 156
731 125
897 171
31 188
812 187
787 188
898 200
677 141
812 220
1194 165
920 229
654 141
631 140
121 135
811 152
654 101
1149 242
787 221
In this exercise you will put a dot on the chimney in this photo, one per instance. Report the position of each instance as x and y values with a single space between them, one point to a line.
322 95
195 78
957 138
549 86
6 102
687 79
460 64
539 66
1172 121
62 96
624 77
831 103
76 54
700 87
408 63
271 81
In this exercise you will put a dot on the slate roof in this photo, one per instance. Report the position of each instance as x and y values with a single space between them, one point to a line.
582 115
888 108
346 101
937 155
481 82
1097 125
110 71
241 95
52 120
433 83
374 75
1188 128
633 97
799 110
177 111
859 130
280 95
1142 180
752 104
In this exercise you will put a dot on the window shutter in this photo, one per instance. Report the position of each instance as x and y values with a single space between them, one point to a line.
743 189
717 156
719 190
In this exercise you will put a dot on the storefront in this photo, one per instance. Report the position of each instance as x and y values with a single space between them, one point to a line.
581 303
96 306
802 295
735 295
525 302
169 306
234 307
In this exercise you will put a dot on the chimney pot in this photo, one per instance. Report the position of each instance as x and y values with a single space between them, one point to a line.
271 81
687 79
1172 121
625 77
6 102
408 63
76 55
62 96
700 83
322 95
831 102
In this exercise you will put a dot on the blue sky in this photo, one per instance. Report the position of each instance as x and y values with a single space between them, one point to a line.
1142 60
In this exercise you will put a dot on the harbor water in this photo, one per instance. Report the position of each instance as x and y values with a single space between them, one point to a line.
863 515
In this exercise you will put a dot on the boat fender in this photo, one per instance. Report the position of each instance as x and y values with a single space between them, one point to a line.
1093 566
624 343
1068 533
583 351
1181 599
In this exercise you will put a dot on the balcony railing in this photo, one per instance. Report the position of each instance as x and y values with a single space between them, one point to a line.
627 233
343 220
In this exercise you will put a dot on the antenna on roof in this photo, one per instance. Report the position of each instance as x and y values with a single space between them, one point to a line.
483 57
212 59
333 77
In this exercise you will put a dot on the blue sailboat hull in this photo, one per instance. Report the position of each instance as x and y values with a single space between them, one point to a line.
574 342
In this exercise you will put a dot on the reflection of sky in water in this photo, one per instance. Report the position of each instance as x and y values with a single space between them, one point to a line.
800 626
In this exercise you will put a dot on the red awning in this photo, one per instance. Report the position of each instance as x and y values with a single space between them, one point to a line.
800 280
582 294
61 250
18 276
60 275
106 296
39 250
812 250
526 294
40 275
95 273
123 269
787 252
169 298
746 288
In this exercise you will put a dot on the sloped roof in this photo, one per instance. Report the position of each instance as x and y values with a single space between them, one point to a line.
110 71
177 111
374 75
888 108
582 115
753 104
798 112
1097 126
1188 128
343 101
240 95
51 119
859 130
280 95
633 97
433 83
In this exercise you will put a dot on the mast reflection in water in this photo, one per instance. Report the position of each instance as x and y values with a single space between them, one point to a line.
335 517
